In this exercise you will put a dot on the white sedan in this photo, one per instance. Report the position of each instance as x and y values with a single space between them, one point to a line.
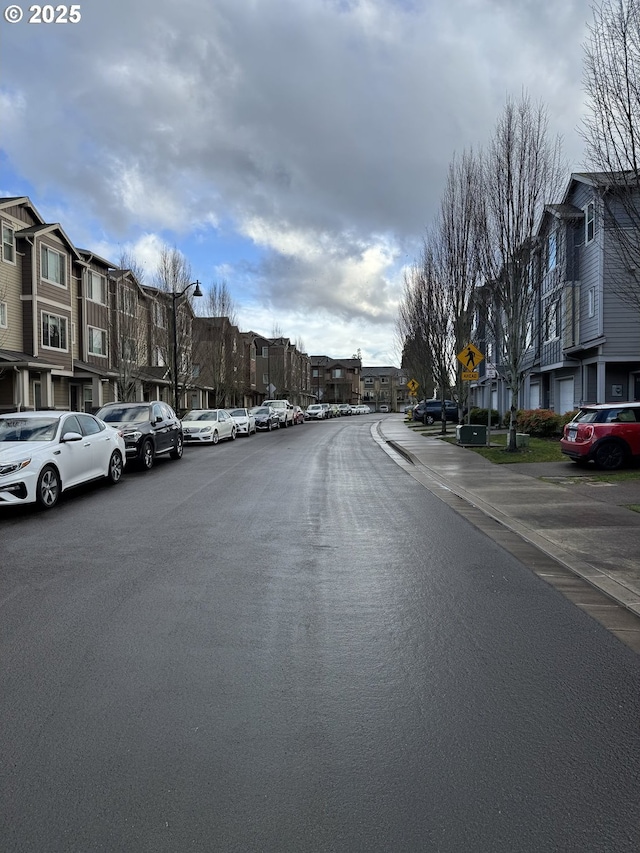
42 454
245 421
208 426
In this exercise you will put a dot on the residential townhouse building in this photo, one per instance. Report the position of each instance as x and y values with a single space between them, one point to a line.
585 335
40 282
335 380
384 386
282 371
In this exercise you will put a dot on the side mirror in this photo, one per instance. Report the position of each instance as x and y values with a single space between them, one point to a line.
71 436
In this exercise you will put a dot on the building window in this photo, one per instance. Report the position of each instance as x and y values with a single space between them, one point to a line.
53 266
159 358
552 329
589 222
552 250
3 315
591 302
128 349
128 301
384 380
265 352
54 331
337 373
96 287
265 378
8 244
158 315
368 380
97 341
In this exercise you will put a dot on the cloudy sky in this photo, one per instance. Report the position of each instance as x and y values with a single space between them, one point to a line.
295 149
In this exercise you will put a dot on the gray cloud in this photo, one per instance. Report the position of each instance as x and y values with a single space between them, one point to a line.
321 129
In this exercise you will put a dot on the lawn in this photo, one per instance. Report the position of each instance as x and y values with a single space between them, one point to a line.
540 450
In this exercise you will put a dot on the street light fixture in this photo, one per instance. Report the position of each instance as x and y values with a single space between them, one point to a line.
174 298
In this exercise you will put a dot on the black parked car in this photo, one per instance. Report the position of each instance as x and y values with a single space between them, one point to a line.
430 411
150 430
266 418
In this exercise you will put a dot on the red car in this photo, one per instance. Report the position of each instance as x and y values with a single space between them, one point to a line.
298 415
607 434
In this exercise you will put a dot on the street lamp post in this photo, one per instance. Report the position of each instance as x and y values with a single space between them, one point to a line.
174 298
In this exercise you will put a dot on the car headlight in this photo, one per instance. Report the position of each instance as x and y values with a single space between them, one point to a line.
12 467
135 435
206 429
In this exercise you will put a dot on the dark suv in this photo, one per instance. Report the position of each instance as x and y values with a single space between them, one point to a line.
608 434
430 411
149 429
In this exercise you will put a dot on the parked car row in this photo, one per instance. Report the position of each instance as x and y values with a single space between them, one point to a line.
324 411
44 453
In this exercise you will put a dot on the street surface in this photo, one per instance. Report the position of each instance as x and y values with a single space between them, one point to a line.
286 644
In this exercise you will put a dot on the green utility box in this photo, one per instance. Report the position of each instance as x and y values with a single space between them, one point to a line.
471 434
522 439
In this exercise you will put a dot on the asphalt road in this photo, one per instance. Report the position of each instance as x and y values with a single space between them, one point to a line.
285 643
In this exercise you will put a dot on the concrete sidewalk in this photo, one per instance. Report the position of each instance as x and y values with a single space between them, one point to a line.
597 539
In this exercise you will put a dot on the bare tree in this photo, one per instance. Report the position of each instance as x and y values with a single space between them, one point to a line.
521 170
129 346
410 330
218 350
437 310
458 257
172 277
612 129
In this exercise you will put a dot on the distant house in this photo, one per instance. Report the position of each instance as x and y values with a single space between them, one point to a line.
384 386
335 380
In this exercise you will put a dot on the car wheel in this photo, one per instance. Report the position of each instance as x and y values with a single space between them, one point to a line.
610 456
215 438
270 427
48 488
234 433
429 420
116 468
284 423
179 449
146 455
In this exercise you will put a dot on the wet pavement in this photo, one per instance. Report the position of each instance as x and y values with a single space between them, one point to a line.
585 526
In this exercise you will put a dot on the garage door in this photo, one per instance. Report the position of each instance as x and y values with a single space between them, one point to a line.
565 396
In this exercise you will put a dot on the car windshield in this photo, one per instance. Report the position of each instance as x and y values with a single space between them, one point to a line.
28 429
277 404
200 416
261 411
125 414
238 413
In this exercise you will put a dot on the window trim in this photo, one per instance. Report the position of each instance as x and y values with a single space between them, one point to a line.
589 222
552 250
44 247
4 311
44 345
9 227
552 311
591 302
90 297
90 341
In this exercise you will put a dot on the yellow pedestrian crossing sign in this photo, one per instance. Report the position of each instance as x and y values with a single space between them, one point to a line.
470 358
413 386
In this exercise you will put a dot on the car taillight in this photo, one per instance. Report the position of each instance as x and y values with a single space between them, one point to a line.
585 432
